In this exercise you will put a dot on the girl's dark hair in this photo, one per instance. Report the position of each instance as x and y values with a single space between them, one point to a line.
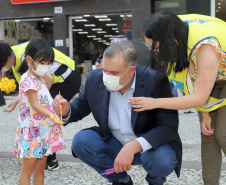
5 52
165 27
37 49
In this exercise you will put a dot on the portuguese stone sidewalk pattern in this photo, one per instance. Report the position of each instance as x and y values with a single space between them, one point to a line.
73 172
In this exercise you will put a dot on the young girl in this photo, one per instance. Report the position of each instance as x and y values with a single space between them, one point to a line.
38 134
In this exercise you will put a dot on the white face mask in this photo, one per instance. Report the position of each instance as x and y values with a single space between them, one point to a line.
41 70
4 69
112 82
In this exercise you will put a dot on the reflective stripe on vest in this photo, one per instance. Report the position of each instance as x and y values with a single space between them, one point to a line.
183 81
66 73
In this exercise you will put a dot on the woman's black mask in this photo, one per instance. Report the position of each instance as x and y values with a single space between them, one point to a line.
155 56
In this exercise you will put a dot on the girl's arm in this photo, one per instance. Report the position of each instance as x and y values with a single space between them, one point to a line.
208 64
12 105
33 99
49 80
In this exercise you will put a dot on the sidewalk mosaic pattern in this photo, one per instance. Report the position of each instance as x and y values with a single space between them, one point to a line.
78 173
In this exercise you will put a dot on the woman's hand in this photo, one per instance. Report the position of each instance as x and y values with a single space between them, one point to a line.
12 105
205 125
142 103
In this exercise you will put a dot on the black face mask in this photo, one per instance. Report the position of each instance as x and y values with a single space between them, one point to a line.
155 56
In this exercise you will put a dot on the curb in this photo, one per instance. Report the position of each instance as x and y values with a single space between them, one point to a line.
69 158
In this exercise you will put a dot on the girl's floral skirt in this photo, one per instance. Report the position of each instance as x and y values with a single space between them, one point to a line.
39 141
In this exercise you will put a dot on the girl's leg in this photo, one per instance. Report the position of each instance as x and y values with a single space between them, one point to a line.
27 169
38 177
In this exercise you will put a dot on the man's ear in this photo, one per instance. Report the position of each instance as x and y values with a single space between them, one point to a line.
28 59
176 42
132 70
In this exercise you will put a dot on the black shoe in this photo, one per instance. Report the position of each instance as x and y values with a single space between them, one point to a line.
121 183
52 166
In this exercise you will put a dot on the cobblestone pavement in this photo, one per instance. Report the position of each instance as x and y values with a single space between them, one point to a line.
74 172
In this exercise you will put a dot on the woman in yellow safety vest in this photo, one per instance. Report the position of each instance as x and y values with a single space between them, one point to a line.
63 77
192 51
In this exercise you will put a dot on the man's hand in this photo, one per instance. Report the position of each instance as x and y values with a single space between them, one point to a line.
64 103
125 157
205 125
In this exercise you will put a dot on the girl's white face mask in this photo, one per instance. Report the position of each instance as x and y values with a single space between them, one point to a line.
41 70
112 82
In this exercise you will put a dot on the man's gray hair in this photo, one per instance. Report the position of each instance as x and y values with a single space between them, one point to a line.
125 48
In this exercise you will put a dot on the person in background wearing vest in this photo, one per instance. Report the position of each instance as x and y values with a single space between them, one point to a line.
192 49
63 77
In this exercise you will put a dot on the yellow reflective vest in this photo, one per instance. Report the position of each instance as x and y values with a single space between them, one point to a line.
201 27
60 58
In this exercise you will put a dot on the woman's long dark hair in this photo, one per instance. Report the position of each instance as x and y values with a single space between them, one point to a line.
165 27
37 49
5 53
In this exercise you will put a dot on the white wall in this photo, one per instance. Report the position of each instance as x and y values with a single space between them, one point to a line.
11 29
1 30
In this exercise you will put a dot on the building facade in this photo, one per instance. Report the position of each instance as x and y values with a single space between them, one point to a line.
61 22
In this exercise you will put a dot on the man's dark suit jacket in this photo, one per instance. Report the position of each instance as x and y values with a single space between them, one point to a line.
157 126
